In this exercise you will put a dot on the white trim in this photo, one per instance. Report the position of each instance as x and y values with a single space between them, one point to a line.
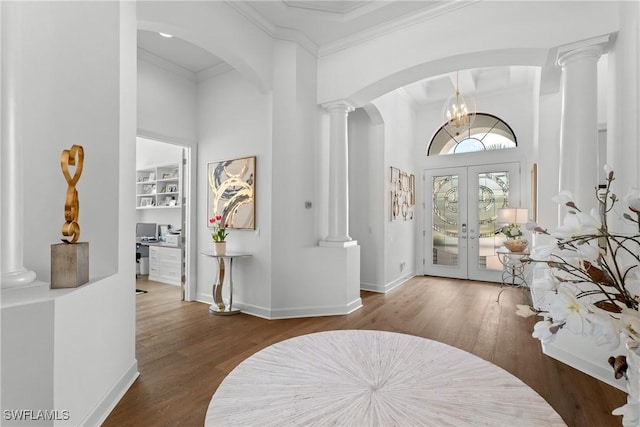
273 31
152 59
288 313
102 410
393 26
587 366
214 71
383 289
292 313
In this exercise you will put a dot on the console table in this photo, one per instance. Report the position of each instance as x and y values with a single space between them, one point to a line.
219 306
513 270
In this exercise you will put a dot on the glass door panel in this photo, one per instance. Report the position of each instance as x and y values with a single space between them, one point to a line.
461 213
446 249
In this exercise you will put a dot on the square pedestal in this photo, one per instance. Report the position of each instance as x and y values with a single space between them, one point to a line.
69 265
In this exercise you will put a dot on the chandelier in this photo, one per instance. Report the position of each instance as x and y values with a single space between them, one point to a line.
458 113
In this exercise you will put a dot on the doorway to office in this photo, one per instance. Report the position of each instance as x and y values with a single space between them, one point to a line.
163 206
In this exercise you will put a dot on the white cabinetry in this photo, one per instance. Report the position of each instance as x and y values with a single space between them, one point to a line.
158 187
165 264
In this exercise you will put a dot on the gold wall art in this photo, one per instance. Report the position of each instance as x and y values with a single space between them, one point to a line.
403 194
72 157
232 192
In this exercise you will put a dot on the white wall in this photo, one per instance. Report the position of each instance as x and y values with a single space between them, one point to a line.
237 120
72 93
505 33
167 105
86 113
234 121
367 194
400 235
218 28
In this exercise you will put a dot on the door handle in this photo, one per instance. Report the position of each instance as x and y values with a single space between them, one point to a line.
463 231
472 235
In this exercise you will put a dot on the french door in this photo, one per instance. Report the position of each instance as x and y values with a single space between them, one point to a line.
461 210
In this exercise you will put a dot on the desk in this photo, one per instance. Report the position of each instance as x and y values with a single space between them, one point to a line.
164 263
219 306
373 378
513 269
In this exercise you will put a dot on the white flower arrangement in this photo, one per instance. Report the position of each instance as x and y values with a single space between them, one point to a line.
592 284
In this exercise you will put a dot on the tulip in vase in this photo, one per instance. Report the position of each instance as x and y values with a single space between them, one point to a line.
218 235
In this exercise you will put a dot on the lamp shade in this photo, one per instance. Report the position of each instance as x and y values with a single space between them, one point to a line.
513 216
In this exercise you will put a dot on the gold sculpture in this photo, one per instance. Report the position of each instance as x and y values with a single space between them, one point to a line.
72 157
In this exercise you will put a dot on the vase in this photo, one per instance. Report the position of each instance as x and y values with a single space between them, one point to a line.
516 245
219 248
631 411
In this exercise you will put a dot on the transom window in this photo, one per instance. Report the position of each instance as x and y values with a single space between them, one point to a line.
487 132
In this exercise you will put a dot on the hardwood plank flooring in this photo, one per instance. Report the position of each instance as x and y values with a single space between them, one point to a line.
184 352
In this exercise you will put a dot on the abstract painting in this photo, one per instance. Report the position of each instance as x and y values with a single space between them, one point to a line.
231 192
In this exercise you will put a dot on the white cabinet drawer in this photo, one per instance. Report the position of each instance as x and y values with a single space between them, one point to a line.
165 264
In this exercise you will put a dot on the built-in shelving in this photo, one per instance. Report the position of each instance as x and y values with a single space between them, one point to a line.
158 187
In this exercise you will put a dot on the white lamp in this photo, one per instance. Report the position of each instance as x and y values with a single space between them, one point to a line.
513 215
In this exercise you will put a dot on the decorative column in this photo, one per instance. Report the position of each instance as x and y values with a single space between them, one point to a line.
579 122
11 216
338 176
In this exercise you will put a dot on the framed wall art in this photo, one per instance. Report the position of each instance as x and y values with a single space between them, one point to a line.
403 194
231 192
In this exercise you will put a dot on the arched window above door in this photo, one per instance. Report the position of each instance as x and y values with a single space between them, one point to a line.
488 132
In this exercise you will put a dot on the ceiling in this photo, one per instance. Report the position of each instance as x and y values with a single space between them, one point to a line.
328 23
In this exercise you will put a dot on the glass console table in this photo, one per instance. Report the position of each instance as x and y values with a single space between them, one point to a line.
219 306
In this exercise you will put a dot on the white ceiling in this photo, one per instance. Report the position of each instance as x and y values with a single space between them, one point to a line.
329 23
177 51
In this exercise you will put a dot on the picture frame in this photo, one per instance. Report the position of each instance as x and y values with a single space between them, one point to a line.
171 188
148 189
166 175
146 202
232 192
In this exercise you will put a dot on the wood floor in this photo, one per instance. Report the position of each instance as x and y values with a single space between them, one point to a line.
184 352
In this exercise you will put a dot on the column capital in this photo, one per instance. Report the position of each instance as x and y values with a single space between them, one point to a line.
341 104
593 47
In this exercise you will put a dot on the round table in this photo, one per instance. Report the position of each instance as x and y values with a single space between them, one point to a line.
370 378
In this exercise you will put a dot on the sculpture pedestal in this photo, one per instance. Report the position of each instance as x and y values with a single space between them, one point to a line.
69 265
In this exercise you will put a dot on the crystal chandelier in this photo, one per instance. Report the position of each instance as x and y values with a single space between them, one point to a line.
458 113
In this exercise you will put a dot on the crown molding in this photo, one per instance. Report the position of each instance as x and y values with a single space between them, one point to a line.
393 26
279 33
152 59
334 16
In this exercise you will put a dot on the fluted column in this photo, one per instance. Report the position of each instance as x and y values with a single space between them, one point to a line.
338 176
13 272
579 171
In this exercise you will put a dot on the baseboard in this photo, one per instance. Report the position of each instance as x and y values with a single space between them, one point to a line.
389 286
290 313
104 408
600 372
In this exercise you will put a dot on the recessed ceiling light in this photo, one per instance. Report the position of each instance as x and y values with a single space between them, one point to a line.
166 35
